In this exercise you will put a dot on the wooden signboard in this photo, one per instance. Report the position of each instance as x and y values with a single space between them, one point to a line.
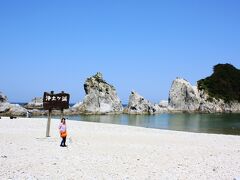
58 101
52 101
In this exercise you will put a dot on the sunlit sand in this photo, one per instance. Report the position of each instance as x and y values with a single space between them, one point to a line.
106 151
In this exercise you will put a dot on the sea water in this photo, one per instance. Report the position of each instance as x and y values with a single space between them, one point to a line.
201 123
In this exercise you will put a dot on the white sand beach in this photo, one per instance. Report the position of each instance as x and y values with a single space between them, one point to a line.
106 151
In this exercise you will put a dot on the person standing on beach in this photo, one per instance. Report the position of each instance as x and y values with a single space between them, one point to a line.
60 124
63 132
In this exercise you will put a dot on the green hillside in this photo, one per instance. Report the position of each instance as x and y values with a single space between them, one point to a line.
224 83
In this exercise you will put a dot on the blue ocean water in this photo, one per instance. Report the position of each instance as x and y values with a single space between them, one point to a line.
201 123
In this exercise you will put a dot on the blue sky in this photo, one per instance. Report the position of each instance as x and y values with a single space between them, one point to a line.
137 45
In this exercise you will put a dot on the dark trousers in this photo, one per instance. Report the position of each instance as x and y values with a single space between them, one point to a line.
63 143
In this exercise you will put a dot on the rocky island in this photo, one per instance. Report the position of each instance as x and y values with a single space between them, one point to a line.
219 93
8 109
100 98
139 105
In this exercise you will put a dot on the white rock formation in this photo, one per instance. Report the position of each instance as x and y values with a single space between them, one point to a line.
8 109
17 110
3 98
212 105
74 110
78 104
139 105
163 104
36 103
100 98
4 107
183 96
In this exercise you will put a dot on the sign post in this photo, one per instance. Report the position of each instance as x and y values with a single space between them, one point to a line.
48 123
54 101
62 109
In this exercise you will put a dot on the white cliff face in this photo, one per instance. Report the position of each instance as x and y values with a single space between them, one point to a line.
100 98
233 107
212 105
139 105
183 96
10 109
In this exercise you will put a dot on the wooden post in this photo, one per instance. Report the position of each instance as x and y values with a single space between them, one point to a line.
48 123
49 120
61 113
62 109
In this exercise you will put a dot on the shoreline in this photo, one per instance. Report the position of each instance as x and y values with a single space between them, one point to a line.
110 151
195 123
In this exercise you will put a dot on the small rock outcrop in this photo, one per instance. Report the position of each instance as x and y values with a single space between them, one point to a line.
183 96
36 103
17 110
163 104
4 107
139 105
77 105
8 109
74 110
101 97
3 98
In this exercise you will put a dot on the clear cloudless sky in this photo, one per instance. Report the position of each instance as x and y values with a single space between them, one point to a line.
140 45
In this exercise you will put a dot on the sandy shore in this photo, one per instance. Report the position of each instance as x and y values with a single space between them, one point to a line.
106 151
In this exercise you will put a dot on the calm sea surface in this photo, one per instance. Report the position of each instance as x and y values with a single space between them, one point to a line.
204 123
